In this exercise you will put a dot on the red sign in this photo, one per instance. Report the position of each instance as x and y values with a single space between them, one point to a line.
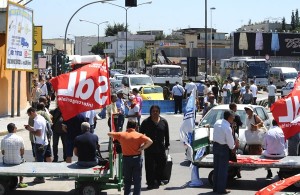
278 186
83 89
286 112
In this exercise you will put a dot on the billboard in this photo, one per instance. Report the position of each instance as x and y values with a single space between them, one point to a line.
19 33
122 48
261 44
37 38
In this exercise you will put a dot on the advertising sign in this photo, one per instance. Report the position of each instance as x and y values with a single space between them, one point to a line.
37 38
122 48
271 44
19 30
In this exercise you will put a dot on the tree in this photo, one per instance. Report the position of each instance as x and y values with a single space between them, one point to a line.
283 24
138 54
297 23
98 49
293 21
160 36
112 30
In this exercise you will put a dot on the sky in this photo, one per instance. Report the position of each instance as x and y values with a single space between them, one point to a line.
166 15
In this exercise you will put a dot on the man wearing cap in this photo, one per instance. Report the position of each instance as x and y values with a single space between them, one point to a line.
223 142
121 108
12 149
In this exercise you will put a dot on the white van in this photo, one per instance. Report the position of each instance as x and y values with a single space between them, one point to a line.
132 81
282 75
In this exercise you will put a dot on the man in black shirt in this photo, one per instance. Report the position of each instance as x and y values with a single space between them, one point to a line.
157 129
85 147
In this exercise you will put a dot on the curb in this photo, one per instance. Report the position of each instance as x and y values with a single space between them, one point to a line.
2 133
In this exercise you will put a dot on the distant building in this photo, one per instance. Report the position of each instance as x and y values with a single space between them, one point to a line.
265 26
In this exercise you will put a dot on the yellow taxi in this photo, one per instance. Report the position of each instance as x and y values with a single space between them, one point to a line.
152 92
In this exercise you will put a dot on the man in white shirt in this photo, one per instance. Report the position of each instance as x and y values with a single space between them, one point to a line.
178 92
91 119
133 109
274 144
226 92
272 93
189 87
41 142
12 149
222 142
253 89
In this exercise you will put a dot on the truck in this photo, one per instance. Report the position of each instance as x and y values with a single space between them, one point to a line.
282 75
164 72
246 68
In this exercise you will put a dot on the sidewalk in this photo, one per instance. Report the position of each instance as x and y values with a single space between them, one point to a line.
19 121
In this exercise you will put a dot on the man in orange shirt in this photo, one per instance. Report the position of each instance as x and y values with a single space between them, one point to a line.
132 143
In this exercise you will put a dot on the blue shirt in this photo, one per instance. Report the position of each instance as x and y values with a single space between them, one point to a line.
200 88
120 105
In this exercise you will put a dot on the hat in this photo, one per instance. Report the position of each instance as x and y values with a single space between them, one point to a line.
250 107
120 91
132 97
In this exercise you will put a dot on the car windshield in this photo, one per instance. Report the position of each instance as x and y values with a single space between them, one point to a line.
141 81
116 83
148 90
215 114
290 75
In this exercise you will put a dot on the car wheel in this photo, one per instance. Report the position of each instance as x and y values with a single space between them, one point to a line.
89 189
211 178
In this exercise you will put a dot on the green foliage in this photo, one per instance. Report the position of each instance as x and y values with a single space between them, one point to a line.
112 30
283 25
138 54
98 49
293 25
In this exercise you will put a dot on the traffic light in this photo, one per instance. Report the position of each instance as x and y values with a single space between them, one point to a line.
130 3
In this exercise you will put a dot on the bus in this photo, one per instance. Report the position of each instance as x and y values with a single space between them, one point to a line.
246 68
164 72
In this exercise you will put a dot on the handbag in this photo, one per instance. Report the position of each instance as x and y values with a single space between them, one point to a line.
255 137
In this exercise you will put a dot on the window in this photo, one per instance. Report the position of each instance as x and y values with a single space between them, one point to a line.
261 113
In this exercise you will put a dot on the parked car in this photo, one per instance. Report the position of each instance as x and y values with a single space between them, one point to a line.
151 92
115 85
217 112
287 88
132 81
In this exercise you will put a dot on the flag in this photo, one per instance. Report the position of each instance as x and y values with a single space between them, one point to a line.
286 112
278 186
188 124
83 89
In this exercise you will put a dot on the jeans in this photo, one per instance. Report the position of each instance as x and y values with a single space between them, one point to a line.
39 151
132 171
221 163
121 119
226 99
56 137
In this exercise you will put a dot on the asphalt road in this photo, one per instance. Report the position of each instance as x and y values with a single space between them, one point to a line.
251 181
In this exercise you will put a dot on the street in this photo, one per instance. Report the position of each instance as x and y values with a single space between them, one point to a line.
251 181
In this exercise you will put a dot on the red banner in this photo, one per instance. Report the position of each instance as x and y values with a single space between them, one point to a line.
278 186
286 112
83 89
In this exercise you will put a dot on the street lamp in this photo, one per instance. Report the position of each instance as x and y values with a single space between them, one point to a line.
126 9
211 9
98 24
205 42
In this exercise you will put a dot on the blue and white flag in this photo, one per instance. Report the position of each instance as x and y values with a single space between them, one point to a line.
188 124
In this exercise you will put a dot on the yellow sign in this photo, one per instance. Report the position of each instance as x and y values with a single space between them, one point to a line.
37 39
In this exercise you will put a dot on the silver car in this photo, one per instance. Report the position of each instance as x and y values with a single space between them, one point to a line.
286 90
217 113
